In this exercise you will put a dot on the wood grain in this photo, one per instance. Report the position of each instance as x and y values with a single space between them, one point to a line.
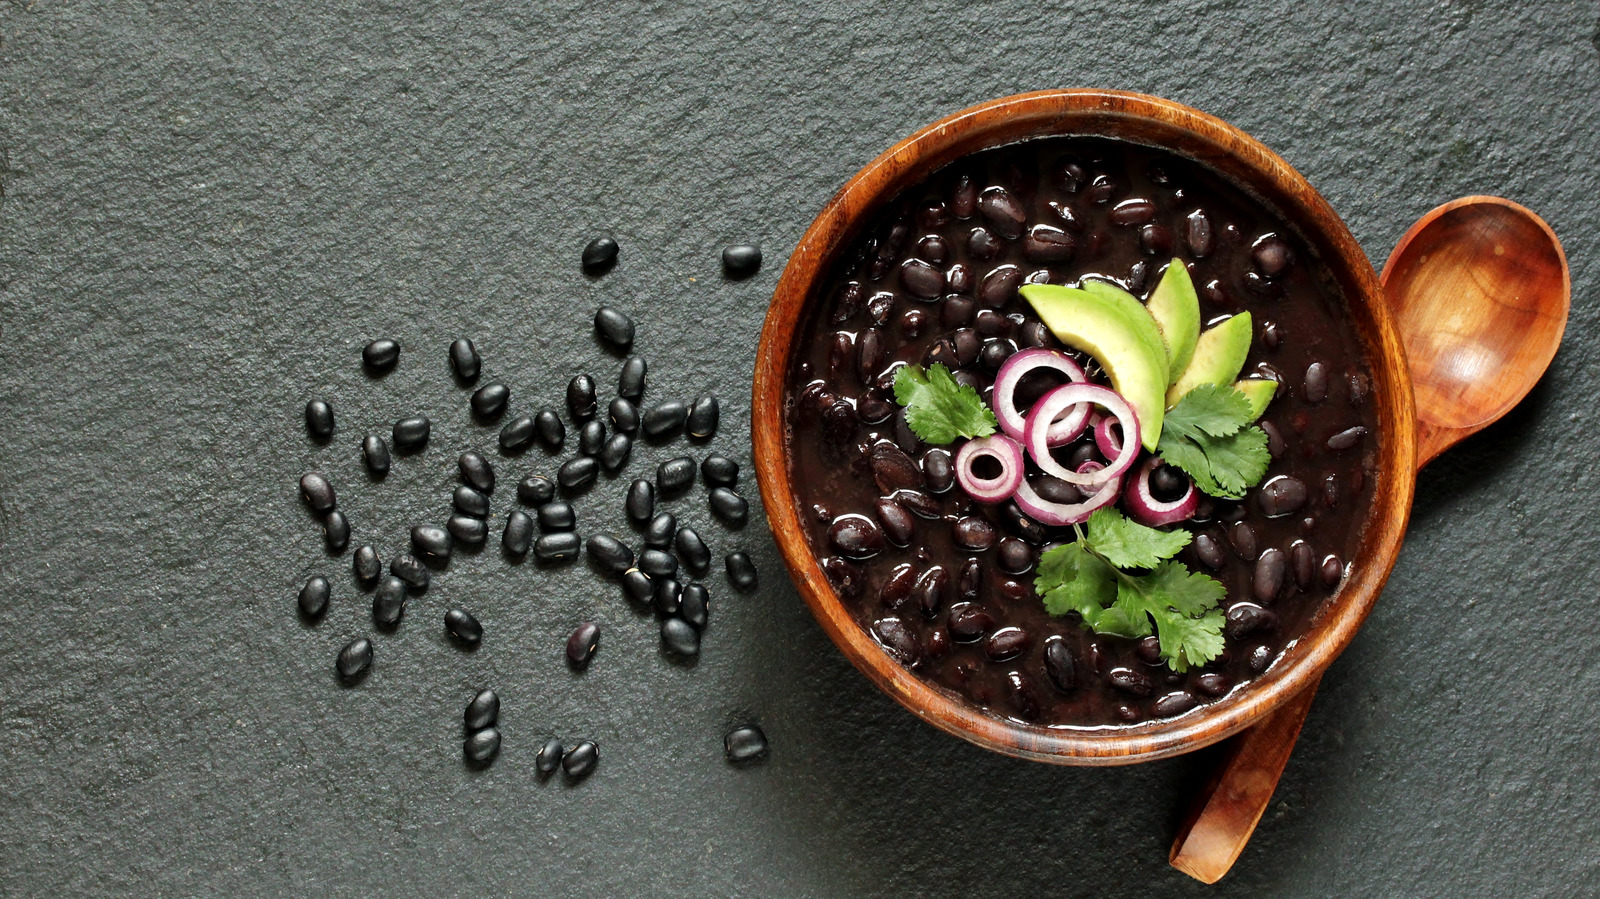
1151 121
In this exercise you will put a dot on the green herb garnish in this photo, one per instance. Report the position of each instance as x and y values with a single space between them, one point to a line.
1088 576
937 408
1209 435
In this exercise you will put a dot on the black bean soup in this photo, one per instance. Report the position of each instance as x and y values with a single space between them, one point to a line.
945 584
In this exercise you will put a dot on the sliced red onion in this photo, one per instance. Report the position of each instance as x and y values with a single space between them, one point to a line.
1035 435
1143 506
1107 434
1012 420
1059 515
997 489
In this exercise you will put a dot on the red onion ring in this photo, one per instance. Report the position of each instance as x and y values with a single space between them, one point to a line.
1108 440
1143 506
1035 435
1013 370
1060 515
997 489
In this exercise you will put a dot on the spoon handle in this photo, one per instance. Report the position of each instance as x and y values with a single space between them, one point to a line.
1226 809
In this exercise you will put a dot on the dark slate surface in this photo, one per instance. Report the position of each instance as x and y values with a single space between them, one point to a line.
210 207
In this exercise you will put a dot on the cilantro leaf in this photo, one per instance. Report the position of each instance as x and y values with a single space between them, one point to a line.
1071 579
1128 544
1208 434
937 408
1183 606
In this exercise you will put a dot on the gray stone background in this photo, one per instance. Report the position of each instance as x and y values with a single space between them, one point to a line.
209 207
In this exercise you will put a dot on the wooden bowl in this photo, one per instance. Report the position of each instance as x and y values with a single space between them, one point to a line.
1155 122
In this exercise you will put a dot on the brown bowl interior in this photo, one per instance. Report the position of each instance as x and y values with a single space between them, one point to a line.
1145 120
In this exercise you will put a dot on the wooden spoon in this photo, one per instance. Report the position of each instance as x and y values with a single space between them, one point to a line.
1480 292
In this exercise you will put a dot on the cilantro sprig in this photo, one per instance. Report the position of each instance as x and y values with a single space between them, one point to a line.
1209 435
937 408
1121 579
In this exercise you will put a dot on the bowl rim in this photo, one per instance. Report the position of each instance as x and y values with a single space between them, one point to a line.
1222 147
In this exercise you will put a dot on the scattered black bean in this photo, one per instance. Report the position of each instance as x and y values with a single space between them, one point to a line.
729 506
489 401
482 746
610 553
582 643
668 596
637 585
741 260
599 255
375 452
614 327
483 711
318 493
314 596
581 398
549 757
665 419
744 744
692 550
406 567
518 535
680 637
630 382
552 433
624 415
741 571
591 437
578 472
336 531
517 433
470 502
464 359
561 546
659 531
675 475
719 471
431 540
658 562
354 659
536 490
411 434
468 530
580 760
389 602
695 605
476 471
614 455
319 420
463 626
367 566
703 417
380 355
557 515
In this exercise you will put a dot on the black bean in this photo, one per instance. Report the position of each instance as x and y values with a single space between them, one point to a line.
897 587
1156 240
846 577
856 537
680 637
319 420
1172 704
719 471
901 643
1275 444
1315 386
482 711
614 455
468 530
1209 551
464 359
536 490
893 469
354 659
318 492
1059 665
1198 235
582 643
668 596
614 327
968 623
973 534
695 605
1046 243
336 531
920 504
933 248
610 553
931 590
518 535
1212 684
956 311
1243 537
995 353
581 397
1003 211
637 585
1022 695
389 602
1347 438
549 757
665 419
1281 496
630 381
314 596
1101 190
1246 618
898 525
557 515
489 401
741 260
624 416
367 566
1135 211
463 626
1007 643
470 502
692 550
591 438
744 744
380 355
741 571
660 530
703 417
375 452
1303 561
971 579
729 506
1272 256
675 475
999 285
641 501
1332 571
1261 658
1014 556
406 567
581 759
1129 681
599 255
1149 650
658 562
578 472
482 746
433 541
476 471
552 433
517 433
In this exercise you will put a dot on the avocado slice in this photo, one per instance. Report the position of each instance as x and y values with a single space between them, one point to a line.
1116 330
1115 294
1218 356
1259 391
1176 309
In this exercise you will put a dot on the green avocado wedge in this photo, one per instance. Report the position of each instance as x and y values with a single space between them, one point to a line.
1259 392
1176 309
1116 330
1218 356
1115 294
